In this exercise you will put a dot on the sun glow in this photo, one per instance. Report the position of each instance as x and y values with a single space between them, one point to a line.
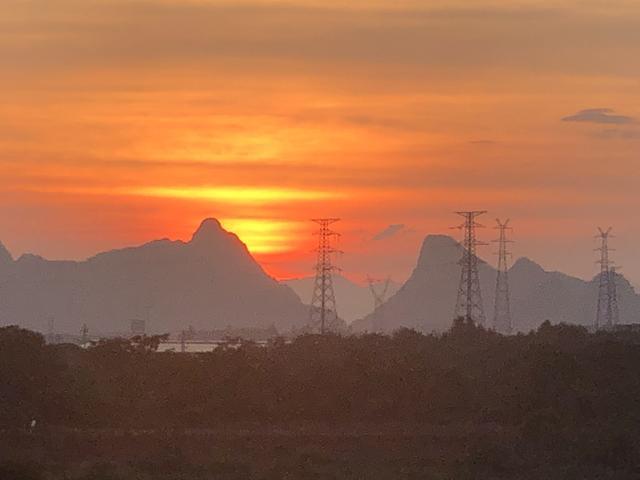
238 195
266 235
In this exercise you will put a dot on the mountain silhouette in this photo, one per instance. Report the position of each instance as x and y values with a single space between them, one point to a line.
5 256
210 282
427 299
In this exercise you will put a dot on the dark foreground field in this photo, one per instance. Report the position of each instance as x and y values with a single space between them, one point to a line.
558 403
390 452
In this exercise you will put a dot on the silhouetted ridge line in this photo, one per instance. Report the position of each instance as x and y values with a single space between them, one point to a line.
424 301
210 282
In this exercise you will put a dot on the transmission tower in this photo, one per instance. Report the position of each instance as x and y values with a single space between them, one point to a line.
502 304
379 297
469 302
323 315
607 309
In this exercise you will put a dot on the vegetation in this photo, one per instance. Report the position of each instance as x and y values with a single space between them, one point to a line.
555 403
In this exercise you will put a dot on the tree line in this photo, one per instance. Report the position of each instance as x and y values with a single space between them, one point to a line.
557 375
558 402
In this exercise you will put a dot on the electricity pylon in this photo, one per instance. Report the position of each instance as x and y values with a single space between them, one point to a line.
502 303
379 297
469 302
607 308
323 315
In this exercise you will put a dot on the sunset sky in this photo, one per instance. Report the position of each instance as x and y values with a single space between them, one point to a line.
123 121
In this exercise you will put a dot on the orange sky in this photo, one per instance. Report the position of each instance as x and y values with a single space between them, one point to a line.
122 121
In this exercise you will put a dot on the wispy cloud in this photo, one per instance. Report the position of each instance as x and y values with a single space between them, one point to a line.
100 33
599 115
615 133
388 232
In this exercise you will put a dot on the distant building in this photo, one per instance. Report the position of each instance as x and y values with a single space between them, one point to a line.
627 328
202 346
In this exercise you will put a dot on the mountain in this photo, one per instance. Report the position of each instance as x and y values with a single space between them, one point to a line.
210 282
353 301
427 300
5 257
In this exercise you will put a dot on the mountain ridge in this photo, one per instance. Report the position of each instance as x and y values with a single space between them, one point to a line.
427 299
211 281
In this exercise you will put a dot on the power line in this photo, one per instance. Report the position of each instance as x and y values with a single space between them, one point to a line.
323 314
469 302
502 303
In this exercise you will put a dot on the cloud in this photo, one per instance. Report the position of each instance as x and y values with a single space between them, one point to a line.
379 122
134 33
388 232
614 133
482 142
599 115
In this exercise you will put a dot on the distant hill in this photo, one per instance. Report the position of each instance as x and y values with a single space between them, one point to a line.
209 282
353 301
427 300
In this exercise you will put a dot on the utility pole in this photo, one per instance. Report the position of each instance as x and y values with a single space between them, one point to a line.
502 304
607 315
613 297
469 302
379 297
84 334
183 341
323 313
51 330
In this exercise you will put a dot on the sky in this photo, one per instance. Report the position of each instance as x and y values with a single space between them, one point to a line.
124 121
